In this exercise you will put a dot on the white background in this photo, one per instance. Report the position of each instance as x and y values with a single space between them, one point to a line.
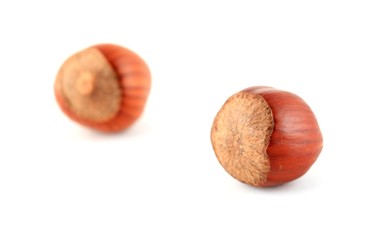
160 179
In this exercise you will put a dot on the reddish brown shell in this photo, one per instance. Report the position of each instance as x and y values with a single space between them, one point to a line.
266 137
296 141
134 80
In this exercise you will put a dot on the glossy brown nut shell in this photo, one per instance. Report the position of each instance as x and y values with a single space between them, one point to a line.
133 80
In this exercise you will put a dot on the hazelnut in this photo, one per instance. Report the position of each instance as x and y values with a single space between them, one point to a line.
104 87
266 137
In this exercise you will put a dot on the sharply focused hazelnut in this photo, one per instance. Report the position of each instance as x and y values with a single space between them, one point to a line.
103 87
266 137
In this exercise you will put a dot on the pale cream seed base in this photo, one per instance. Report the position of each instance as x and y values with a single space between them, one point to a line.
90 86
240 136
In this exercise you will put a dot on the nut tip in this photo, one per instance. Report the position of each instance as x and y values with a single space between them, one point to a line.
85 83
